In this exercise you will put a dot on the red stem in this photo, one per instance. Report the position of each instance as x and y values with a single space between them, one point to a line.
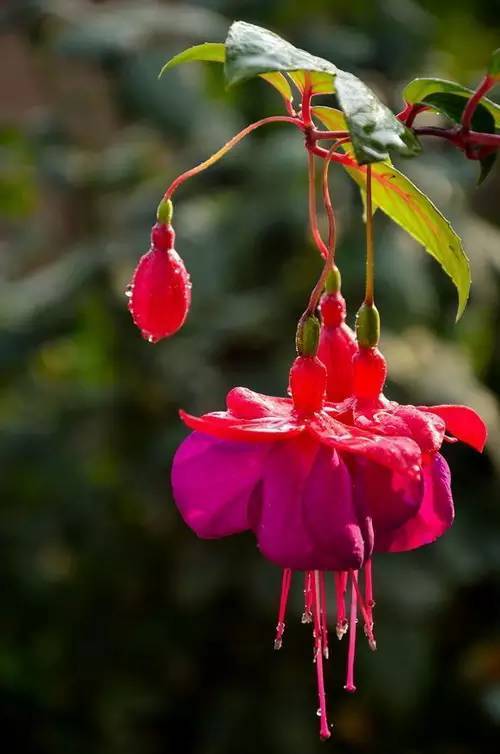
306 101
475 137
410 112
229 145
487 83
317 135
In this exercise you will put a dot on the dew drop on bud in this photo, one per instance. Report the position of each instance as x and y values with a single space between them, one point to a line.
278 643
128 290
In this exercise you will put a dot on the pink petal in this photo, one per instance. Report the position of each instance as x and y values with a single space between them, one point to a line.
462 422
398 453
426 429
246 404
308 519
390 497
433 518
225 426
213 481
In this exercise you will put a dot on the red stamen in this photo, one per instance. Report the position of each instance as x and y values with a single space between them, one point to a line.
366 613
370 604
351 653
340 589
323 615
324 730
308 598
286 580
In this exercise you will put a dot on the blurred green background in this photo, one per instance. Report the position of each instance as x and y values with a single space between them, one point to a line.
120 632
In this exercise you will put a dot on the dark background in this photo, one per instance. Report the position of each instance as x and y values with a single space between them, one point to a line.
120 632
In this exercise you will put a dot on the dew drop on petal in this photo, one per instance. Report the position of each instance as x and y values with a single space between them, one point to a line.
129 290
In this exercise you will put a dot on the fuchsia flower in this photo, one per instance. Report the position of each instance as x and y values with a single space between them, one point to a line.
160 292
319 492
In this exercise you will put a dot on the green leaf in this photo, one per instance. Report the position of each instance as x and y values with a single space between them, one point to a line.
494 67
322 83
209 51
215 52
280 83
450 100
487 164
251 50
452 105
374 128
410 208
419 90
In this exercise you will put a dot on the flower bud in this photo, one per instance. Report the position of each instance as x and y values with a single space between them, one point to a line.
160 292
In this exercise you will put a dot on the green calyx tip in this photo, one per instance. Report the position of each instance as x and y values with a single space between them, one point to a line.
368 326
333 281
307 337
165 212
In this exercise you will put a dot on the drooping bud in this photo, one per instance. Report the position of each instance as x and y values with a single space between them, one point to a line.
308 384
160 292
368 326
337 343
370 372
307 336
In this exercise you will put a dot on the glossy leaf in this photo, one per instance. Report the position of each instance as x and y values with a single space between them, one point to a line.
419 90
410 208
215 52
251 50
374 128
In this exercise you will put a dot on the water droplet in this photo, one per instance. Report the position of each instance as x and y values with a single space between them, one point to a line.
150 339
306 617
318 712
129 290
341 629
278 643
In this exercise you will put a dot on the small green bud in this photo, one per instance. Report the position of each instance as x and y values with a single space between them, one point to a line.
307 337
333 281
165 212
368 326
